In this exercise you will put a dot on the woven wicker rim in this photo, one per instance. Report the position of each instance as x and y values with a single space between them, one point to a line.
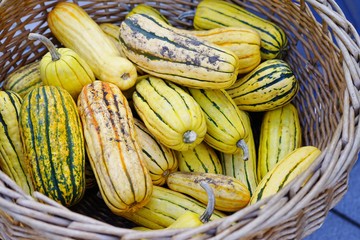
328 67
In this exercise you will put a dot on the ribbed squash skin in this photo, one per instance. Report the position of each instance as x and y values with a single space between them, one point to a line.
225 126
12 161
234 165
164 207
163 51
230 193
70 72
159 159
24 79
169 113
112 31
76 30
202 158
270 85
292 165
218 13
280 134
244 42
54 143
114 153
148 10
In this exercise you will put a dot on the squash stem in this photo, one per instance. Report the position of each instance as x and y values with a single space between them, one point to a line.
205 217
189 136
55 55
242 144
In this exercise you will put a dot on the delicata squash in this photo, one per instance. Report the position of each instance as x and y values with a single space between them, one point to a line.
75 29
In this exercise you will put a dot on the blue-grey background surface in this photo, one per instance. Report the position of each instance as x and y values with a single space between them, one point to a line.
343 222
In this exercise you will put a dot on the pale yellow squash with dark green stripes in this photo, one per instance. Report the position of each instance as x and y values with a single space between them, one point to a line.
291 166
159 159
234 165
226 131
202 158
280 134
12 160
173 117
54 144
163 51
24 79
272 84
111 143
211 14
164 207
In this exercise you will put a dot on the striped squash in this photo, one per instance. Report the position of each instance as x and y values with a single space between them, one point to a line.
270 85
202 158
112 31
280 134
164 207
230 193
163 51
148 10
211 14
114 153
234 165
24 79
244 42
226 130
291 166
12 161
63 67
54 144
173 117
159 159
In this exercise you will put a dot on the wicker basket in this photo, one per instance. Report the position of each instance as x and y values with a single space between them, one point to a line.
324 54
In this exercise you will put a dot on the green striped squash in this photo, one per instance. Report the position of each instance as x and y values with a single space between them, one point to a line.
218 13
54 144
280 134
226 130
234 165
201 158
12 161
159 159
292 165
24 79
171 115
164 207
270 85
166 52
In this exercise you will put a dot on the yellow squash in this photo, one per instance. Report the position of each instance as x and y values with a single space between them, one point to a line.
291 166
63 67
24 79
114 153
173 117
280 134
76 30
230 193
159 159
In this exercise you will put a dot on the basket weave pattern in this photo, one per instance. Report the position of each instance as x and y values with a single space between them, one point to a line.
324 54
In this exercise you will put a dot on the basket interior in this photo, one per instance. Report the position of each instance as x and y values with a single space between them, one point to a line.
315 60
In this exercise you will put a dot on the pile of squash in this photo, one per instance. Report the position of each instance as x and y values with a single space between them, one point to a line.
157 117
